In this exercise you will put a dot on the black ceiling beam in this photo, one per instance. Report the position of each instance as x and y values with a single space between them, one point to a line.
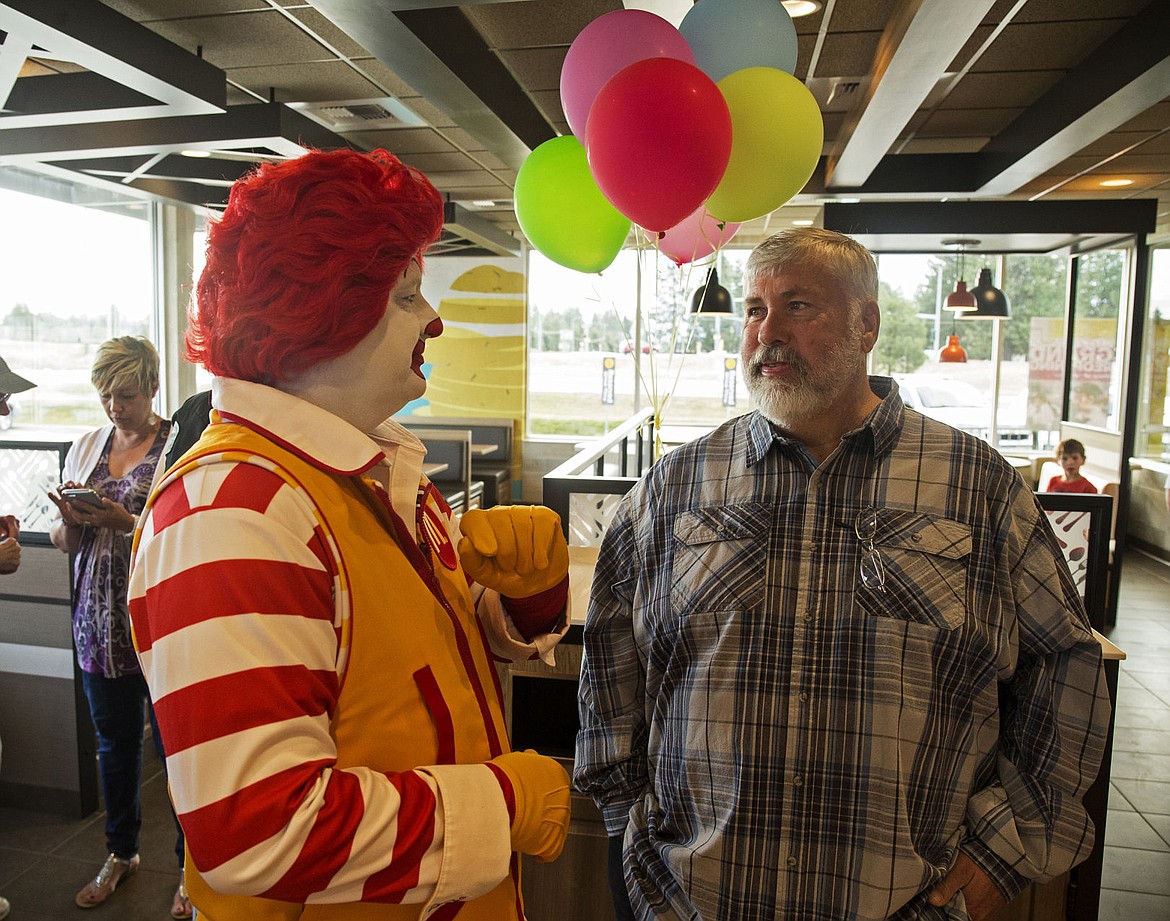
191 193
240 126
1124 216
455 41
72 92
172 167
128 44
1126 74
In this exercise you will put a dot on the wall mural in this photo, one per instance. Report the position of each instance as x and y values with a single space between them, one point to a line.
477 368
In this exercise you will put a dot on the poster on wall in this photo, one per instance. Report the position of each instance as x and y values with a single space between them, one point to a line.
1091 399
1159 367
1045 373
476 368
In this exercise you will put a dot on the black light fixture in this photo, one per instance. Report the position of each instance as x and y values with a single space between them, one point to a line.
711 297
990 302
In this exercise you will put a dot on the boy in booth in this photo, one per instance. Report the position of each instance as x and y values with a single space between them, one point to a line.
1070 454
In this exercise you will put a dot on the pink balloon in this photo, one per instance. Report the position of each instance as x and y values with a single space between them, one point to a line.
605 46
658 140
697 235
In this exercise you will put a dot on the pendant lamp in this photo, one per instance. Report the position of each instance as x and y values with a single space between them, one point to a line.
990 302
961 298
711 297
952 351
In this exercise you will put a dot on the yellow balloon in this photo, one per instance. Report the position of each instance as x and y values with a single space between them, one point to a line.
776 139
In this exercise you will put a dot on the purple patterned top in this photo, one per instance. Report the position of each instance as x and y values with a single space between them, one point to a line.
101 617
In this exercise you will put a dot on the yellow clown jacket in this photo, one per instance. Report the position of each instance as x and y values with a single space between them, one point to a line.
325 693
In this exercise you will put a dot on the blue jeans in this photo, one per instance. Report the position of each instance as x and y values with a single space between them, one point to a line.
116 706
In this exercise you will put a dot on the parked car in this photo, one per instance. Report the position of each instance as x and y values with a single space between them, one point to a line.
948 400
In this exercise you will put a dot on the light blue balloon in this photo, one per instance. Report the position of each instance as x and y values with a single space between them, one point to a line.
729 35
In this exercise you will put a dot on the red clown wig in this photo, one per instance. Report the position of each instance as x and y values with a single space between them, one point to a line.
301 266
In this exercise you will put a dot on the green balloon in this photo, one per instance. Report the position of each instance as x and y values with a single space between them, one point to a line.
563 213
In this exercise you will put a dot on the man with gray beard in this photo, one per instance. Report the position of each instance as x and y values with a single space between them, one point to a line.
835 665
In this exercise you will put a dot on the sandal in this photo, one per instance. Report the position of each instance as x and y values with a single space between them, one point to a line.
102 886
181 906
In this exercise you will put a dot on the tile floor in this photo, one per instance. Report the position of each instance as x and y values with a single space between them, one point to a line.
1136 874
45 859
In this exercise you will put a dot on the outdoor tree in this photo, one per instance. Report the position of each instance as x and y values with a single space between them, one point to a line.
903 332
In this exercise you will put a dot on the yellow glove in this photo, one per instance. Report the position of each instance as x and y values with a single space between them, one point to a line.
541 789
519 550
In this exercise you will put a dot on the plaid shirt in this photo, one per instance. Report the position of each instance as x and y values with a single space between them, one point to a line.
784 742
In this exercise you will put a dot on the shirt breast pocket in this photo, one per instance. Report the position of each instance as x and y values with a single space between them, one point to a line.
925 560
719 559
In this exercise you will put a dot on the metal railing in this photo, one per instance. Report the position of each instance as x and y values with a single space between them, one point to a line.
585 488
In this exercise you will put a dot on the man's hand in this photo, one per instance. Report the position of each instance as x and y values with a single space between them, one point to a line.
982 896
519 550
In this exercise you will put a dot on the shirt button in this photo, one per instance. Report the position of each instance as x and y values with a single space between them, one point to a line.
803 697
811 546
791 861
916 537
808 616
797 781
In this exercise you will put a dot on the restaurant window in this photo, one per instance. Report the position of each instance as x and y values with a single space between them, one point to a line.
1153 437
602 346
1011 381
1095 376
72 274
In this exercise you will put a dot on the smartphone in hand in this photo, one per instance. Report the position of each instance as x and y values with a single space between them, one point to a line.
87 496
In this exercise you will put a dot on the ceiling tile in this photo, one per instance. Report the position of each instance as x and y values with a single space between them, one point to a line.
383 76
464 179
968 122
871 16
848 53
462 139
148 10
401 141
321 82
1044 46
537 69
549 103
1010 89
244 39
1065 10
327 31
447 161
535 23
428 111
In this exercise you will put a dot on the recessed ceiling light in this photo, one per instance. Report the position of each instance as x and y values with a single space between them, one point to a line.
802 223
484 203
195 153
1115 183
798 8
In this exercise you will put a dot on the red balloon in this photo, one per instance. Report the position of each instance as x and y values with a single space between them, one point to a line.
658 140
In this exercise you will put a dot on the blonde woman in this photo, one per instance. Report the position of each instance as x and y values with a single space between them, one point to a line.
117 462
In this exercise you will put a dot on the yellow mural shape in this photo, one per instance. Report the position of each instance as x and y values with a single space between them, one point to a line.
478 364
